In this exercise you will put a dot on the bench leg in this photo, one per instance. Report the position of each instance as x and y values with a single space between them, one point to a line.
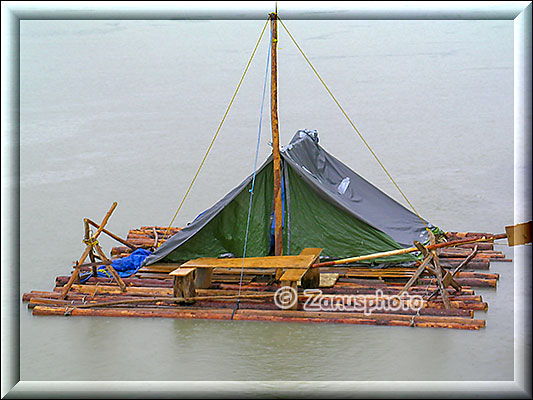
293 285
311 279
184 286
203 278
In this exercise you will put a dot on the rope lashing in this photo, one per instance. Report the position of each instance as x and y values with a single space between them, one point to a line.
90 242
353 125
235 308
255 171
216 133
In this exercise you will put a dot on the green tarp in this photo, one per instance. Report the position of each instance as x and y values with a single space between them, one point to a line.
326 205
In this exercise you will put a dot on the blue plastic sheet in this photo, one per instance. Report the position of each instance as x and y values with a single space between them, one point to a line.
125 267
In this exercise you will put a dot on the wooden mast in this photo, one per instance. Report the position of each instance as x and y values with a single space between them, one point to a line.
278 213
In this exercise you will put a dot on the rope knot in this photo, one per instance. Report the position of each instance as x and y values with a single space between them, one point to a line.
90 242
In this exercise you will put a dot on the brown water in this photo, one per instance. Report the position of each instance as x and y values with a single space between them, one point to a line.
124 111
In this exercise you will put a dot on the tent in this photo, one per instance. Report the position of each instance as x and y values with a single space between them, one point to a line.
325 204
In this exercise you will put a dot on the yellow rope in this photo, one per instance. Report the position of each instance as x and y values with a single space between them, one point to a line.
353 125
216 133
90 242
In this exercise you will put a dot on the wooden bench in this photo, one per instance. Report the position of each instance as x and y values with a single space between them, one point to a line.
198 273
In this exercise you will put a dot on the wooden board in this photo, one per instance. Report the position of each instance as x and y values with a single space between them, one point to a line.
296 262
293 274
328 280
182 271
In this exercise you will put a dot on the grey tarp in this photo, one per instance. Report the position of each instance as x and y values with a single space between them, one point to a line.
324 173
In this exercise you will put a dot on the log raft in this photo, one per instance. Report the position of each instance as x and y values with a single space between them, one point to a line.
152 291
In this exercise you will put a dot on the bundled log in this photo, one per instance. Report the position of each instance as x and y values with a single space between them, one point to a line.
150 292
273 315
473 264
472 282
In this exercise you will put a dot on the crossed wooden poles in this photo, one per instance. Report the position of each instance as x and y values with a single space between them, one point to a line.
92 247
432 264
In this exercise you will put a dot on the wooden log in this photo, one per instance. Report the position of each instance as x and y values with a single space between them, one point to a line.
339 288
479 275
462 235
464 305
138 242
278 211
120 250
139 282
465 262
110 268
167 292
112 235
472 282
149 236
136 291
245 303
75 277
474 264
482 246
408 272
459 252
417 273
268 315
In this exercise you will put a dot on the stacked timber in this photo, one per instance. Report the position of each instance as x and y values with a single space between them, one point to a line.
153 298
150 292
147 237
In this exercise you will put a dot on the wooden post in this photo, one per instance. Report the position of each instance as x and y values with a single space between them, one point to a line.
110 268
278 212
88 249
118 239
183 285
86 240
417 274
438 272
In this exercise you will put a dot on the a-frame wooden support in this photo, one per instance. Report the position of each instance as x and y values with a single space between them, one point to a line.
432 264
92 247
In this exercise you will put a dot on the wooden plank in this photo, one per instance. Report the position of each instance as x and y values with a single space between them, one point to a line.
253 262
311 278
328 280
311 251
293 274
182 271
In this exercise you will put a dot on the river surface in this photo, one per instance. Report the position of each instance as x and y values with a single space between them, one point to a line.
125 110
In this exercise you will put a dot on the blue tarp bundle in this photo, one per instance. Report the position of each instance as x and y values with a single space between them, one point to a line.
125 267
